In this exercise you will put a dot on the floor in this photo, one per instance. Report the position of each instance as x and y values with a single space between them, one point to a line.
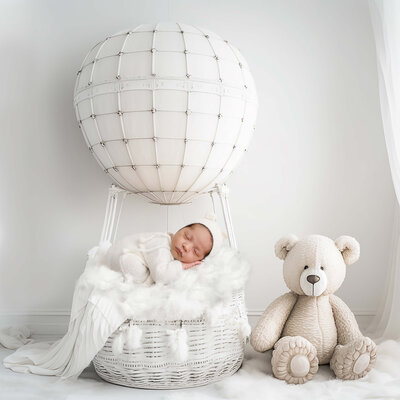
253 381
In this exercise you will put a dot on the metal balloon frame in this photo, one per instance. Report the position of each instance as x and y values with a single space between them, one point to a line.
115 203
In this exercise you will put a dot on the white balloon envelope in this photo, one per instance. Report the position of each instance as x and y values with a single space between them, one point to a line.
167 110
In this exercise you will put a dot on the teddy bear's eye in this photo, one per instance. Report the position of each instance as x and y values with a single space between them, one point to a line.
306 267
322 268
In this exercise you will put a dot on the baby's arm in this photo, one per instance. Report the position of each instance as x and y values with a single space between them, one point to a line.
163 268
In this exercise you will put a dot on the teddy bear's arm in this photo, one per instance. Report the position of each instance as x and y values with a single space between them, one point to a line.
269 328
346 324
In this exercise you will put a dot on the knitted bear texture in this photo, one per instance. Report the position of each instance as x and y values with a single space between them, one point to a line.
310 325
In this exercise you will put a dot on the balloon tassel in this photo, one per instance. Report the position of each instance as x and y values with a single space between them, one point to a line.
178 343
244 329
133 337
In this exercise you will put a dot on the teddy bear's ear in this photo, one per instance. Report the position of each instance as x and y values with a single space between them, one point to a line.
284 245
349 247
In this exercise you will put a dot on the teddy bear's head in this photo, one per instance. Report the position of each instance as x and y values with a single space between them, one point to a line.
316 265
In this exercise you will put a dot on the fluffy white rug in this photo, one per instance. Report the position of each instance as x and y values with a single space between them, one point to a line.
253 381
198 290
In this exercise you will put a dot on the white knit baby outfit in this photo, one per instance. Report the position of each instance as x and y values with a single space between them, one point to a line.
145 258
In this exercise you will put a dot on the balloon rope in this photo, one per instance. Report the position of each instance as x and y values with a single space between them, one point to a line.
119 214
222 191
106 216
167 217
213 203
112 216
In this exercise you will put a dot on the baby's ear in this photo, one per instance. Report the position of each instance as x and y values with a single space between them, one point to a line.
284 245
349 247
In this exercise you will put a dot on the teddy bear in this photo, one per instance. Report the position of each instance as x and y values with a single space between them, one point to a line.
310 326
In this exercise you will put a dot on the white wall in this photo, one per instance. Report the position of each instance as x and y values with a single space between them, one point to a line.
317 164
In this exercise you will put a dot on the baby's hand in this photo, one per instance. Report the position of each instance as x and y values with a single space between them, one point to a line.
190 265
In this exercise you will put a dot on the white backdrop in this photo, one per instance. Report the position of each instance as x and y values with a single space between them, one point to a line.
317 163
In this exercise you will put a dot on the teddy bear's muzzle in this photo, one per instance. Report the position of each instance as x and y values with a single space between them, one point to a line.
313 279
313 282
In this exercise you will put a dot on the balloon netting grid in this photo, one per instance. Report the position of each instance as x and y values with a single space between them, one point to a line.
166 110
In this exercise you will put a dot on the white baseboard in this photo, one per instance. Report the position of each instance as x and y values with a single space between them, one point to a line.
55 322
46 322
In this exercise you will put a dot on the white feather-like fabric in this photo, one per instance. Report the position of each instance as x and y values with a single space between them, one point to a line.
102 301
200 290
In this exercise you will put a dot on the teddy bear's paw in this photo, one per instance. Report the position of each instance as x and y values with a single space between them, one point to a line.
294 359
354 360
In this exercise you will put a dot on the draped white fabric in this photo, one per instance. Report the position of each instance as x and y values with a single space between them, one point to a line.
385 16
94 318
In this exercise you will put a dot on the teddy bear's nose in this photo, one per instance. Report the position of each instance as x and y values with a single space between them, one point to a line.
313 278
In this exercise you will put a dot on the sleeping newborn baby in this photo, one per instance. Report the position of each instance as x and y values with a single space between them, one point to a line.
162 257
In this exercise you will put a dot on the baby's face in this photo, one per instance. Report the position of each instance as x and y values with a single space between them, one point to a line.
191 244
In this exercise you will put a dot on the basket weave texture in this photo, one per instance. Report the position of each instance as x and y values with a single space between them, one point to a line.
215 351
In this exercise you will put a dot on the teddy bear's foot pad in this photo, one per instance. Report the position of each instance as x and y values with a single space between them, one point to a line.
354 360
294 359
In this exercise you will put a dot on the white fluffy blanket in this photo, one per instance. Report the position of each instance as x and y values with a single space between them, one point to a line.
198 291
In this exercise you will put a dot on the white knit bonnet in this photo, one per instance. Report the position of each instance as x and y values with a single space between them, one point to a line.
209 221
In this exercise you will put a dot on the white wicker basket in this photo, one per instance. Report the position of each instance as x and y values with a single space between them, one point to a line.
214 352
